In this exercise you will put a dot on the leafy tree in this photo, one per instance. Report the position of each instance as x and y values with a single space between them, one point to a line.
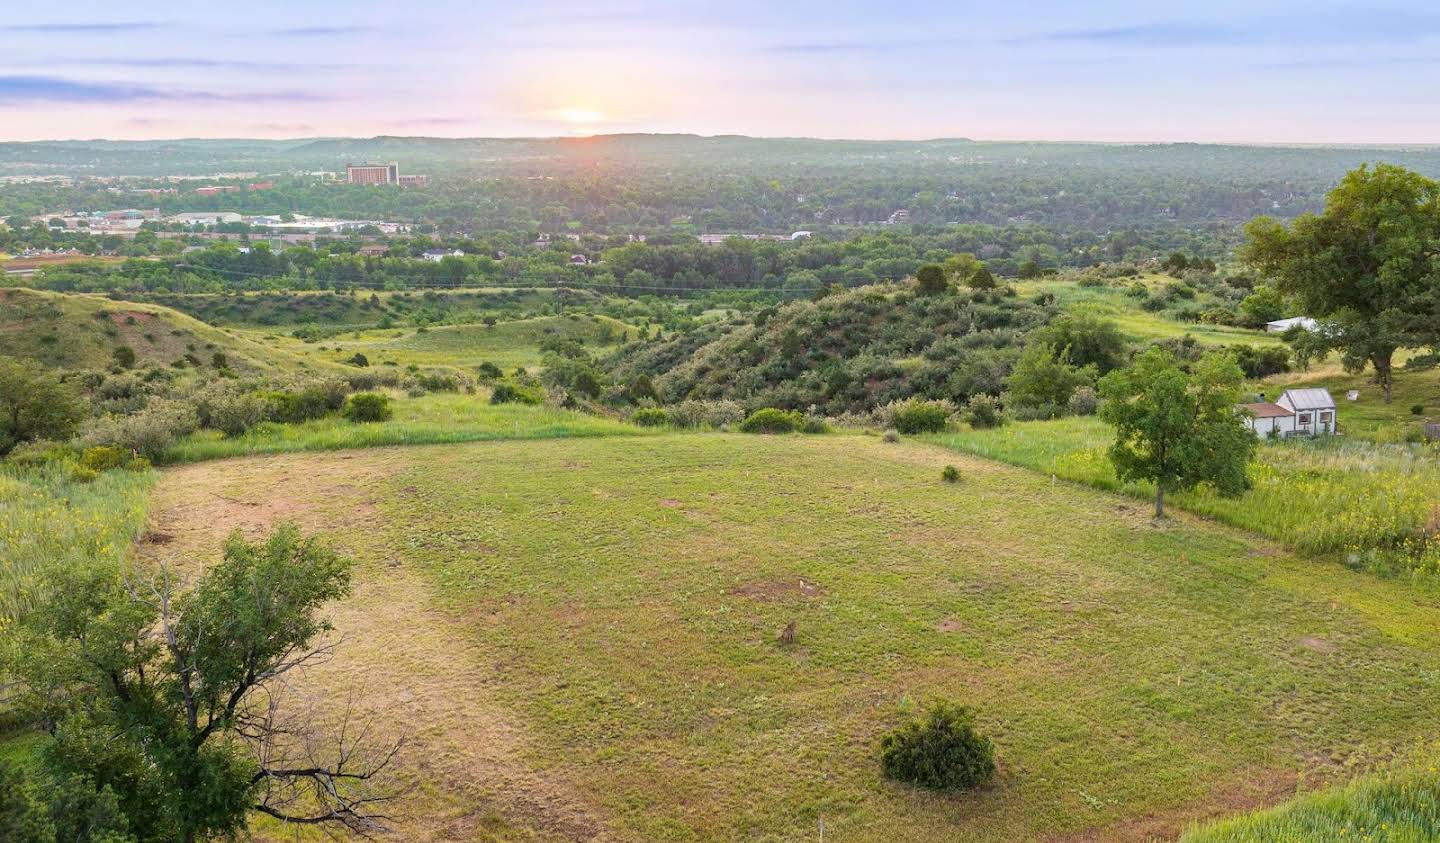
1085 339
169 699
1175 264
930 280
35 404
1366 264
1266 304
1178 430
981 279
1041 383
124 356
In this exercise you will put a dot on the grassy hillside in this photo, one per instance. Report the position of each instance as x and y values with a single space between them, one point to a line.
1371 504
1401 806
579 638
79 331
506 344
361 308
1137 323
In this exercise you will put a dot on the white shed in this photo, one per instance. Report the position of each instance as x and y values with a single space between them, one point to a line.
1297 412
1280 326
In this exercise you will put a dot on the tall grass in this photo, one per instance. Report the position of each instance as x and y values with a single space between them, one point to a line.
46 519
1375 506
1394 807
430 419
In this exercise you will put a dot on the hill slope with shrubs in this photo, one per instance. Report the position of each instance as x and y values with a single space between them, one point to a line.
80 332
848 352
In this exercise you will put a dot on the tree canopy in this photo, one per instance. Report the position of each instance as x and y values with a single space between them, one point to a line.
1178 429
1366 265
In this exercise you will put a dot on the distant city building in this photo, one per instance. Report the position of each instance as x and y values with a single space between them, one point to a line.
262 185
372 251
901 216
437 255
373 173
215 190
413 181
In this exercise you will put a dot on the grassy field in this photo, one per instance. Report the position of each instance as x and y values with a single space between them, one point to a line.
46 520
1367 503
1369 416
579 637
508 345
1138 324
1400 806
427 420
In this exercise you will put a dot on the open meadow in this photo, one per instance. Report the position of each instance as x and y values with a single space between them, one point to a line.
579 638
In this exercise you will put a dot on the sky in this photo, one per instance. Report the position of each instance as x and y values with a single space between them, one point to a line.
1117 70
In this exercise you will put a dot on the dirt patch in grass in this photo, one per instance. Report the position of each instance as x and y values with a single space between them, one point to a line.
1318 644
778 591
949 625
1264 789
422 675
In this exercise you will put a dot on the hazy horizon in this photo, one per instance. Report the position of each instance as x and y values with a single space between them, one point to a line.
1120 71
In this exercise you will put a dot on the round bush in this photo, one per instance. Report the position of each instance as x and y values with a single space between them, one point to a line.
1417 409
917 416
891 436
368 407
650 417
950 474
1084 401
940 752
771 420
983 413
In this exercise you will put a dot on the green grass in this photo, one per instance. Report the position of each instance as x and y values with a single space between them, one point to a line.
1138 324
1400 806
82 331
45 519
1366 503
509 345
427 420
615 603
1370 417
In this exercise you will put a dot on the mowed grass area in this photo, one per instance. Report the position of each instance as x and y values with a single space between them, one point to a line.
426 420
1401 806
596 620
1372 505
1136 323
509 345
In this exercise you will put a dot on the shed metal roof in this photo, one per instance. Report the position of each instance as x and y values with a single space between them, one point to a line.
1308 399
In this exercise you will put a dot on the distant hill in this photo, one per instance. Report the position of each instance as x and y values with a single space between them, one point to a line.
848 352
77 331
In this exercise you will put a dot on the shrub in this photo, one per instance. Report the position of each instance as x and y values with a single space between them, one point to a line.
950 474
982 412
124 356
149 432
941 752
916 415
35 404
712 413
358 359
772 420
105 458
368 407
1417 409
812 423
232 415
509 392
489 371
650 417
1084 401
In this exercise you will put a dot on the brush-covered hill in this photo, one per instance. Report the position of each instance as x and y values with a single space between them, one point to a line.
848 352
79 331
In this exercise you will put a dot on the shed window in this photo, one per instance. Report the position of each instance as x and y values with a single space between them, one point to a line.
1325 418
1304 419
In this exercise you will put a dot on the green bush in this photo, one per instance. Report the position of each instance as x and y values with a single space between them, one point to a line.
1417 409
814 424
950 474
368 407
983 413
509 392
940 752
891 436
489 371
234 414
919 416
107 457
772 420
650 417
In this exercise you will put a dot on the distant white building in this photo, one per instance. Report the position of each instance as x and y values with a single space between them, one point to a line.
1297 412
437 255
1280 326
